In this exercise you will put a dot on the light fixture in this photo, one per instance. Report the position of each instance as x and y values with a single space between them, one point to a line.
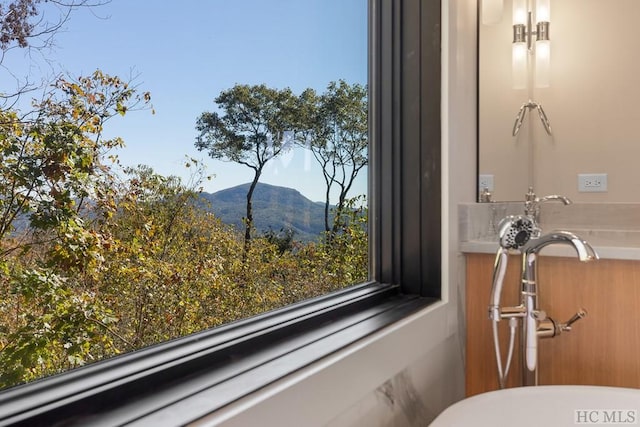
522 47
491 11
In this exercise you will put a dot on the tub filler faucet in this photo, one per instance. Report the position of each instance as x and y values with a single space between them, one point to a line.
536 324
518 233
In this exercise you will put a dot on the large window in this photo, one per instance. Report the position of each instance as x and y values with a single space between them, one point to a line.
403 238
214 168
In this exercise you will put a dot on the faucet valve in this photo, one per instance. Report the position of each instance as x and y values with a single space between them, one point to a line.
548 328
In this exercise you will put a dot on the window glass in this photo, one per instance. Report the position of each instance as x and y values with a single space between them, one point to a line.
170 167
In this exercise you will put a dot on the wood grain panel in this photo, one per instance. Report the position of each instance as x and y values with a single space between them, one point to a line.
602 349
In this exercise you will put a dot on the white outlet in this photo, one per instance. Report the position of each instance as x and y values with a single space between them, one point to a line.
592 182
485 181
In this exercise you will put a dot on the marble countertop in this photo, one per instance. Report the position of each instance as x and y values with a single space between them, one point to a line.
612 229
604 252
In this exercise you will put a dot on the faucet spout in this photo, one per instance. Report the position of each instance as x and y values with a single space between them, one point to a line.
583 249
553 197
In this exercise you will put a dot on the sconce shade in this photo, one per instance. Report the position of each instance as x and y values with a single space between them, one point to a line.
519 12
491 11
543 63
519 65
543 11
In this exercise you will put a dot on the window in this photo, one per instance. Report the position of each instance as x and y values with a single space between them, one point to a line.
404 252
241 187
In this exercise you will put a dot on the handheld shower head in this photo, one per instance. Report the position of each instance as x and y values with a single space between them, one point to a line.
514 231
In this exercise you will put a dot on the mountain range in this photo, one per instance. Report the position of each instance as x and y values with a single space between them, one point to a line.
274 208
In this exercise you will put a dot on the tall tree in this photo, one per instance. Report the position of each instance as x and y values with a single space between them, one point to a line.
334 127
249 130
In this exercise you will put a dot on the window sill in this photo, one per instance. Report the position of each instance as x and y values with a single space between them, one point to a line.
192 376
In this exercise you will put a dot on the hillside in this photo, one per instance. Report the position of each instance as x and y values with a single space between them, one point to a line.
273 207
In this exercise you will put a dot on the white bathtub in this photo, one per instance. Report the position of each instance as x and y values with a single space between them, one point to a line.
545 406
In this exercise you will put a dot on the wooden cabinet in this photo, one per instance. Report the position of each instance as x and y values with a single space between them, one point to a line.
602 349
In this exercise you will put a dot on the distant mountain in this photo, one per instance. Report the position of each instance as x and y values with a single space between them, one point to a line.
273 207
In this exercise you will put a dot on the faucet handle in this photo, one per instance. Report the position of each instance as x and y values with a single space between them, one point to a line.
579 315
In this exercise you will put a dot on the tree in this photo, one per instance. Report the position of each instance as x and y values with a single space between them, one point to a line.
23 21
55 189
52 160
164 270
250 131
334 127
32 25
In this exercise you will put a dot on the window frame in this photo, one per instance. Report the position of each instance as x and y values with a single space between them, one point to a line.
405 151
405 219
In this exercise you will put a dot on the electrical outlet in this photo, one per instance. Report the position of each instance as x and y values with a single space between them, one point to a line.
592 182
485 181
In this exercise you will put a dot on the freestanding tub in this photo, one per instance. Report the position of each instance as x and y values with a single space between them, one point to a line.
559 405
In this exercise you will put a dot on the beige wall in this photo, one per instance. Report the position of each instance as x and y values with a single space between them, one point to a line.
591 103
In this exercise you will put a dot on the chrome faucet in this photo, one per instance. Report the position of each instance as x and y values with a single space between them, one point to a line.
536 323
583 249
532 207
522 233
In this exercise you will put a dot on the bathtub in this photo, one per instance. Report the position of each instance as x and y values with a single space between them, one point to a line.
558 405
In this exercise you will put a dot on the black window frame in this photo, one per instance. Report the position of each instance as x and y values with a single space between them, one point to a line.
405 218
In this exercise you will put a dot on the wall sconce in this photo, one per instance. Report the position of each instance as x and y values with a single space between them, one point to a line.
491 11
523 33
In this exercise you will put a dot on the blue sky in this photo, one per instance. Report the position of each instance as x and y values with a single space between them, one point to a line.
185 53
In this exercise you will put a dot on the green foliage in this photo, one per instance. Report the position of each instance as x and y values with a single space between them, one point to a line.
55 328
283 240
250 132
93 264
348 246
251 129
50 245
168 258
333 126
51 162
